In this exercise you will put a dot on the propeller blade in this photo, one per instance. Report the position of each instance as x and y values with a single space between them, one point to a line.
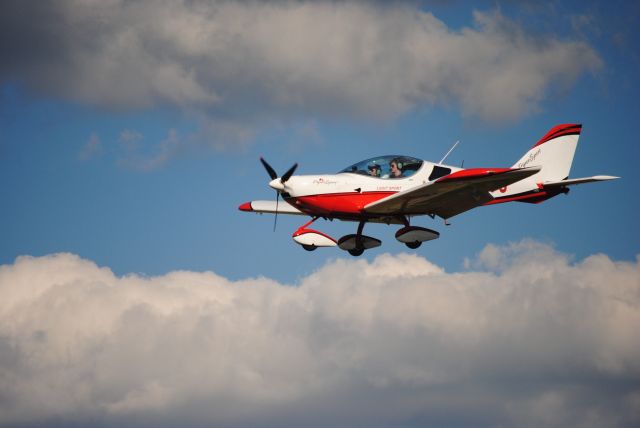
287 175
270 171
275 219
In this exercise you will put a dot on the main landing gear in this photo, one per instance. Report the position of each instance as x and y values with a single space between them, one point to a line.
356 244
414 236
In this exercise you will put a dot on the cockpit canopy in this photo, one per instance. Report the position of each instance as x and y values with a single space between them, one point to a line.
380 166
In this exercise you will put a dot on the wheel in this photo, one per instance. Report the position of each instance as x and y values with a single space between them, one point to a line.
309 247
413 245
356 252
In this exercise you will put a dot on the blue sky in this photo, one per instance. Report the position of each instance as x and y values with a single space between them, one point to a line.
143 210
131 133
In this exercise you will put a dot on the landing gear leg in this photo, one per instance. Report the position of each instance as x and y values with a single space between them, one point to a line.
415 244
404 219
359 247
304 226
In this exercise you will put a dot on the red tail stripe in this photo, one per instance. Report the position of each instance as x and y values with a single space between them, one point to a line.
560 131
565 130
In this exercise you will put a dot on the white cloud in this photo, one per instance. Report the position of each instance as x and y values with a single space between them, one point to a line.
147 157
130 138
92 148
537 341
251 64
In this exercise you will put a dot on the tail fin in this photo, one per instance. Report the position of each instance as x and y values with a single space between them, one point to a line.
554 153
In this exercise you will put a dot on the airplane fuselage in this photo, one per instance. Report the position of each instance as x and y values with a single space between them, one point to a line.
344 195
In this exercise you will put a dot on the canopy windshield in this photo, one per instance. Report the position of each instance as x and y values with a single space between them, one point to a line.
392 166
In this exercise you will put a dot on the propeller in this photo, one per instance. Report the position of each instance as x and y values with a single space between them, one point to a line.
287 175
270 171
277 183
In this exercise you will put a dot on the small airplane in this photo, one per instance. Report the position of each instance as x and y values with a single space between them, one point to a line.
394 189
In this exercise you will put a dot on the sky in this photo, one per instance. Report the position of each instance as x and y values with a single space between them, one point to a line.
130 132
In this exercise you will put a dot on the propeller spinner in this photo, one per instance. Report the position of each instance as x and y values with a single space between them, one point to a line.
276 182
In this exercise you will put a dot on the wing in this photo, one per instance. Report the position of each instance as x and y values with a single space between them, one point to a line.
452 194
573 181
270 207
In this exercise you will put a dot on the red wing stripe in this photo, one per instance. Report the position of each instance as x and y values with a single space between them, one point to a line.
472 173
517 197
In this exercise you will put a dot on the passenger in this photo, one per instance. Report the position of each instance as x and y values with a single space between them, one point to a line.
396 168
374 170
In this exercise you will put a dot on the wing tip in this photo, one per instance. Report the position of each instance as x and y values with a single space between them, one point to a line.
245 207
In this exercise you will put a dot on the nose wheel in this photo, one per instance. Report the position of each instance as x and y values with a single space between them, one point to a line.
356 252
311 239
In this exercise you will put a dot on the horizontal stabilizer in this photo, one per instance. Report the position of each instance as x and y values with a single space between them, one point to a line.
573 181
270 207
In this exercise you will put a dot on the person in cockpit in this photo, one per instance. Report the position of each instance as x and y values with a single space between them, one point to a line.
396 168
374 170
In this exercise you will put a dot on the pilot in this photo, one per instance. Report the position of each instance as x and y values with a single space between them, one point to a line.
396 168
374 170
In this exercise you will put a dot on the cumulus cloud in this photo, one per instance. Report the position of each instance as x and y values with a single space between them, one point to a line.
240 64
533 340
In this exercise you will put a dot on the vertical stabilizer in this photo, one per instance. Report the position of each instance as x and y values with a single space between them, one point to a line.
554 153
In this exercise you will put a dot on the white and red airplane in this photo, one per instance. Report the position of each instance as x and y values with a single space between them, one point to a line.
393 189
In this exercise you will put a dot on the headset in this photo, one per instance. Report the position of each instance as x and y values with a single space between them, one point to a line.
398 162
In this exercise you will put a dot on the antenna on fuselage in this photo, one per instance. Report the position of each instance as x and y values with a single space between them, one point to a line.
449 152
